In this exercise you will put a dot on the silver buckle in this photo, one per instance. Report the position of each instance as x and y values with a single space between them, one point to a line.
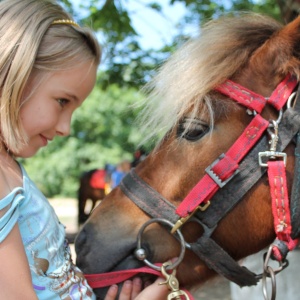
215 177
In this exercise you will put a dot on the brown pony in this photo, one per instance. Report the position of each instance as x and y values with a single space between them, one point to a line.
198 123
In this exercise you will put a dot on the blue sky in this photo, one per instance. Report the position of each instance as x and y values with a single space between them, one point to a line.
154 29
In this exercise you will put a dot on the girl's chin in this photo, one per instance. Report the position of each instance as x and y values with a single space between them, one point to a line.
26 153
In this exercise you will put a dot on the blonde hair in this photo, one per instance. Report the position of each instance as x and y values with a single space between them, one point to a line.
184 83
30 44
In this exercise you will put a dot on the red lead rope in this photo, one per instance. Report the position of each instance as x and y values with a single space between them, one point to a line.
107 279
280 206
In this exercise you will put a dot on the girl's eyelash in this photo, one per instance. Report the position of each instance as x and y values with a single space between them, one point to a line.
63 101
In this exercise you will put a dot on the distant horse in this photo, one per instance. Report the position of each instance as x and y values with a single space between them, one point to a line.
225 167
94 185
91 187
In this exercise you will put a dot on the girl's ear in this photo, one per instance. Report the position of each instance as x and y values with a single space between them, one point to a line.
281 53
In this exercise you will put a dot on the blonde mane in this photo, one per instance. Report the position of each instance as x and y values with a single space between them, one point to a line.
184 82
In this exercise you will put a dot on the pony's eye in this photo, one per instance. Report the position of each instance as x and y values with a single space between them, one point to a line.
192 129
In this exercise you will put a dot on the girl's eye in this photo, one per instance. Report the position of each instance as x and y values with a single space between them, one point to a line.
192 129
63 102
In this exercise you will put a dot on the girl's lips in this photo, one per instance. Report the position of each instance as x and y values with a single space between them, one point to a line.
44 140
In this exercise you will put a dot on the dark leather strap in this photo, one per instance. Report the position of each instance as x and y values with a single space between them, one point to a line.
295 197
146 198
221 262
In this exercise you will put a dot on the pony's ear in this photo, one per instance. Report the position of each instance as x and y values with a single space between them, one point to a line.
281 53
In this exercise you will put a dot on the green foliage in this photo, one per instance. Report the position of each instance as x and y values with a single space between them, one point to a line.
201 11
130 66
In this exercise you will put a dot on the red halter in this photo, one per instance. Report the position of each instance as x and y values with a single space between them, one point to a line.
222 170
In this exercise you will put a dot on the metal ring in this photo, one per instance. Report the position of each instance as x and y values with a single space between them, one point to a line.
139 244
267 257
269 273
290 103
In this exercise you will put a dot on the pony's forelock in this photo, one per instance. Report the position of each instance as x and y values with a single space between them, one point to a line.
183 83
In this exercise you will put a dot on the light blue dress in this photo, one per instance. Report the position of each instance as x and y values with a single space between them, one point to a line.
54 276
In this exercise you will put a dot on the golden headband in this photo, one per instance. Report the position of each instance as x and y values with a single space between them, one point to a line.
65 22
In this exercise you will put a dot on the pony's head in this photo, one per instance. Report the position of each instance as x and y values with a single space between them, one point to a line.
189 107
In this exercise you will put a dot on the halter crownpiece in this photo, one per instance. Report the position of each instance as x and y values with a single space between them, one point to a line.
65 22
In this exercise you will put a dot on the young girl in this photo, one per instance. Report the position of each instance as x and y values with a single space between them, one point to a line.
48 67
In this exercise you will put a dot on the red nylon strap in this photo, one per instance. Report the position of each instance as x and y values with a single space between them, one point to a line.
107 279
282 92
242 95
224 168
255 101
280 206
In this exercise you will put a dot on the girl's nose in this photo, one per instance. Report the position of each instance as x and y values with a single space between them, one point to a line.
64 126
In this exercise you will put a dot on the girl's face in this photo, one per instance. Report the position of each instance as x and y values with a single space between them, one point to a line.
47 112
